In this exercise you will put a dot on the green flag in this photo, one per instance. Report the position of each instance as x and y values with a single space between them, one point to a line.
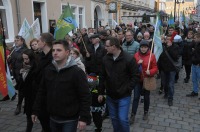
65 24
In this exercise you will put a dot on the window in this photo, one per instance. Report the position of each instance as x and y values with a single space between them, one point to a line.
80 17
4 19
78 13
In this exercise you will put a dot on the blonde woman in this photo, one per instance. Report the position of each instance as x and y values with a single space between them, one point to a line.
77 57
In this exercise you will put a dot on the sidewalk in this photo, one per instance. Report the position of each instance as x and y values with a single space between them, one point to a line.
183 116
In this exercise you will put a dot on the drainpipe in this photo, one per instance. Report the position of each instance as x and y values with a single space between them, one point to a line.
18 15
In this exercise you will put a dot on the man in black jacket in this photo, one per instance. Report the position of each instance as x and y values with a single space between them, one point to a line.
195 67
95 56
168 70
66 90
119 75
15 61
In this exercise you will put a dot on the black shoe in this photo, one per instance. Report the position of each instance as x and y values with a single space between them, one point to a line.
186 80
14 97
18 110
5 98
98 130
142 101
170 102
105 116
165 96
132 119
145 117
192 94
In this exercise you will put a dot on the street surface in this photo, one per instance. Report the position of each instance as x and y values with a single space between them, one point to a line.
183 116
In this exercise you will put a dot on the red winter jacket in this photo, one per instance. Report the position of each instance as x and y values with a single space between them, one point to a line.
153 65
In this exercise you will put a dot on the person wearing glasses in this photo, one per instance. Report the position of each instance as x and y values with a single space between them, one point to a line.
15 61
119 76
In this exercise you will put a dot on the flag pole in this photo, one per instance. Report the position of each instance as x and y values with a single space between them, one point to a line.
83 41
152 45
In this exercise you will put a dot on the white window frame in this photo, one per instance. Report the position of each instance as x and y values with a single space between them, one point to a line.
44 12
9 18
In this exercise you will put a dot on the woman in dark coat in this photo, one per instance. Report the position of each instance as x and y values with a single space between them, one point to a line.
27 84
187 54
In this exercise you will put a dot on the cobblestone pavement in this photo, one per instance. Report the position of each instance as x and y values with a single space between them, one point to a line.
183 116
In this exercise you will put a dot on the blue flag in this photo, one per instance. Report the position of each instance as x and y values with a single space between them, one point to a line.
158 49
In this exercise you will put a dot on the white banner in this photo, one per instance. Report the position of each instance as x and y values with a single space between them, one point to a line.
35 28
24 28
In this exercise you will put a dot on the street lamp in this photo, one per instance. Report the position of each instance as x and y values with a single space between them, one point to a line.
177 2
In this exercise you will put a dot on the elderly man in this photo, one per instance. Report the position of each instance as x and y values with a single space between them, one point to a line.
131 46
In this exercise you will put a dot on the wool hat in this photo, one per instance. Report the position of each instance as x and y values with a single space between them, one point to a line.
144 43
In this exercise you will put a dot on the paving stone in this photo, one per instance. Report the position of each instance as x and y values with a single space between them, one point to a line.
165 124
170 120
183 122
160 128
168 129
175 125
187 127
147 126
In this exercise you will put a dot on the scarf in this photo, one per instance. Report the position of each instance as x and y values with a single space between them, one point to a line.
25 70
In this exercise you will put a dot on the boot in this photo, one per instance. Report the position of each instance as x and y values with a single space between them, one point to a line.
18 110
186 80
132 119
145 117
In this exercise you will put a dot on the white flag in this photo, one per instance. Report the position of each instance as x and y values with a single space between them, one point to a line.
24 28
114 23
35 28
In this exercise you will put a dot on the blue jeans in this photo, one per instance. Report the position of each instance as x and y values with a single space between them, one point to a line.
118 111
168 79
69 126
195 78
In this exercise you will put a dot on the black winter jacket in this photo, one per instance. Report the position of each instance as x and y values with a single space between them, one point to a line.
94 62
67 93
187 52
165 64
16 61
119 76
196 54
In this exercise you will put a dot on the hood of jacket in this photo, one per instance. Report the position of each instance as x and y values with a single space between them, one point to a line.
69 63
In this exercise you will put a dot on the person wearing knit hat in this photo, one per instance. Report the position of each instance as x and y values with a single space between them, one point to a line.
142 58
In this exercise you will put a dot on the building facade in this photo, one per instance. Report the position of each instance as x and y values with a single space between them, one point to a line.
182 5
88 13
13 12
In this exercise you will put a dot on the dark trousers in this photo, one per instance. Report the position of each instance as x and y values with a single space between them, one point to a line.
188 70
177 76
20 97
97 119
137 92
69 126
45 122
29 125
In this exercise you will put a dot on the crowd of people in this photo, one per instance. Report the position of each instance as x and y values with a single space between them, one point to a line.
94 72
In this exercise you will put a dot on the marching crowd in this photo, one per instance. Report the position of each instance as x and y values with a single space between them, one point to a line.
93 73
